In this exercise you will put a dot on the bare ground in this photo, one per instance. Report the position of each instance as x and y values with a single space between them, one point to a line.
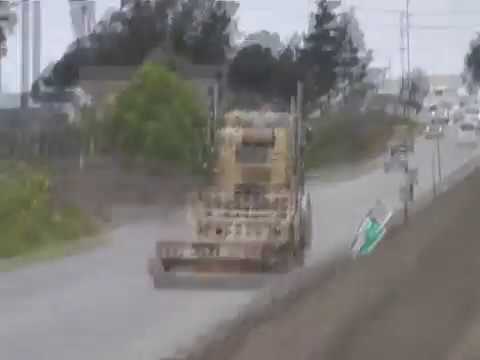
417 297
116 194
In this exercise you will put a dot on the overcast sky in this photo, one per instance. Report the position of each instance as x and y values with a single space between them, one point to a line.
442 29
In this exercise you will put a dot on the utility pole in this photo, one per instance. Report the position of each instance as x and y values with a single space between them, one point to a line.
407 24
402 58
37 39
439 160
25 54
407 189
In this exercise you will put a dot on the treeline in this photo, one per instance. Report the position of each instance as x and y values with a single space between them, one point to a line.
196 29
471 75
331 55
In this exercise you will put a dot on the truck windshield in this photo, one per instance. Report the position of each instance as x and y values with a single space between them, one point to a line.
254 154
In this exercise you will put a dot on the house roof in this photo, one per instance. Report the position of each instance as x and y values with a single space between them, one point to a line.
33 119
449 81
107 73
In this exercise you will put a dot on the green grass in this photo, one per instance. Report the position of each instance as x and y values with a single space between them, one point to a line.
350 138
52 251
29 220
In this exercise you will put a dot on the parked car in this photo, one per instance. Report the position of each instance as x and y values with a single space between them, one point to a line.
467 134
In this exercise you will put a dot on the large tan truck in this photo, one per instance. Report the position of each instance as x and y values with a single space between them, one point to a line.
256 215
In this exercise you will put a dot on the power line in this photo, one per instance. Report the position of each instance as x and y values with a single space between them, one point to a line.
475 12
431 27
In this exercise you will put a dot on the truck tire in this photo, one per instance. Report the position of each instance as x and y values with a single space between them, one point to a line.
155 271
306 223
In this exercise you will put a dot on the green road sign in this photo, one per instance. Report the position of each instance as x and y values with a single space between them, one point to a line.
374 233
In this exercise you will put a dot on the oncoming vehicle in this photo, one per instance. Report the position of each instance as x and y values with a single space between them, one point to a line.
439 114
467 134
433 131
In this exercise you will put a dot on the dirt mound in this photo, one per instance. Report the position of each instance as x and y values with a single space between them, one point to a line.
417 297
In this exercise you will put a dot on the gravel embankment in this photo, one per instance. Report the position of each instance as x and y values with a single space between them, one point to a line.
417 297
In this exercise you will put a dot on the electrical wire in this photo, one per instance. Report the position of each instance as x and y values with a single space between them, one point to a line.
475 12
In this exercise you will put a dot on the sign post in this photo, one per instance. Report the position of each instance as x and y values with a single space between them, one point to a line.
436 153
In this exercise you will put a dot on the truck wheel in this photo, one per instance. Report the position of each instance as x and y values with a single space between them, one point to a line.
156 271
306 224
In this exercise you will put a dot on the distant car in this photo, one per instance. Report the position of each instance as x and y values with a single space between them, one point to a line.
439 115
433 131
472 114
396 158
467 134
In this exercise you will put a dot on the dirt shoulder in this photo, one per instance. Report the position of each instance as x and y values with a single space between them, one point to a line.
416 298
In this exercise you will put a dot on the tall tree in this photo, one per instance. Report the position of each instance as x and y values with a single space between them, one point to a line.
472 64
121 40
253 69
419 88
142 31
181 27
210 45
287 73
348 59
319 57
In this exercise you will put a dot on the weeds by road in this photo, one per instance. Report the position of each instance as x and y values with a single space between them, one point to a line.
54 251
349 138
30 219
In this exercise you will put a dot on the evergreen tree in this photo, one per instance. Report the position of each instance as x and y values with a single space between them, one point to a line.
253 69
472 64
210 46
320 57
287 74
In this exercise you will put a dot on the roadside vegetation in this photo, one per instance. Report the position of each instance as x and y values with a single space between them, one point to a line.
29 218
346 137
159 118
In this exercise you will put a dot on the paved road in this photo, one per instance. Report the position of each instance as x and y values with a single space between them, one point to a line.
416 297
101 305
348 201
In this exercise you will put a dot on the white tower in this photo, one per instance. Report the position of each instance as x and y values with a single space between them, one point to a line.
82 13
25 54
8 21
37 39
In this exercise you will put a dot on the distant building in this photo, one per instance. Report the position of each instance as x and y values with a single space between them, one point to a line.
104 83
444 90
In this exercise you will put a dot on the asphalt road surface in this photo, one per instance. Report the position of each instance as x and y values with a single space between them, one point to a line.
416 297
102 306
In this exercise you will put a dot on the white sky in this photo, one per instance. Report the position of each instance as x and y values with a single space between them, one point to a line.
437 51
